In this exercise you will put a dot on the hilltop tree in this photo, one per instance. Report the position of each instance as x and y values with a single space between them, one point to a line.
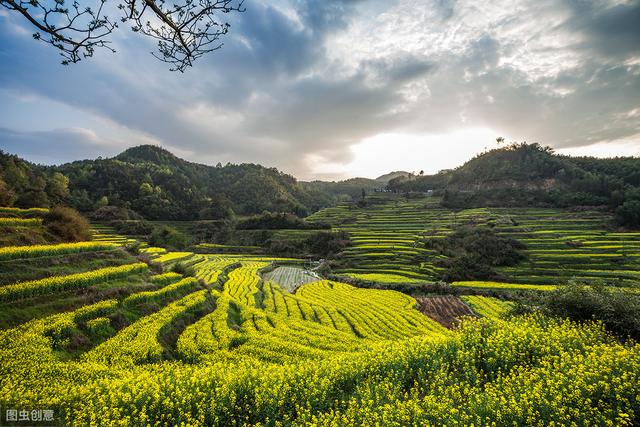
185 30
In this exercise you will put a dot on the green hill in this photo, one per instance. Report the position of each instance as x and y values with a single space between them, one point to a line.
532 175
158 185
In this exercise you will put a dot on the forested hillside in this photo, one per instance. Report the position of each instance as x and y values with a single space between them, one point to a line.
24 185
532 175
157 185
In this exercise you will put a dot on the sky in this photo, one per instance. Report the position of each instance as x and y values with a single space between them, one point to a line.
340 88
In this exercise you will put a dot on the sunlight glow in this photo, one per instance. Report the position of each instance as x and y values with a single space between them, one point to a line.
388 152
620 148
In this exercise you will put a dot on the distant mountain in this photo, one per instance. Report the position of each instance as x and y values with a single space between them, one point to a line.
351 188
391 175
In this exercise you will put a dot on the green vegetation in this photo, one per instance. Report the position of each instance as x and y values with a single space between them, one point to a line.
25 185
185 332
66 225
531 175
502 285
278 221
618 309
388 238
473 252
168 237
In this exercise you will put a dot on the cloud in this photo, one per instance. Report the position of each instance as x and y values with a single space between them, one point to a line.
611 30
301 81
55 146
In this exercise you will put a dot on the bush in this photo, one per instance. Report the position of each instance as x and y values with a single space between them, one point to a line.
183 269
218 231
168 237
134 228
278 221
66 225
629 213
285 247
114 213
327 243
618 309
473 252
466 267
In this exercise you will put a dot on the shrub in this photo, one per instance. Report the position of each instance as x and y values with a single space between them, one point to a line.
66 225
278 221
327 243
135 228
629 213
473 252
168 237
618 309
113 213
100 327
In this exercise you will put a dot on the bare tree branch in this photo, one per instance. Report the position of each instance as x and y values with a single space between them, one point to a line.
75 32
184 31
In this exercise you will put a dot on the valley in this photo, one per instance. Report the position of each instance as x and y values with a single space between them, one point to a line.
388 308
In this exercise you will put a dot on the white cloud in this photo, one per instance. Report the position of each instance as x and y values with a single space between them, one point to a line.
431 153
315 87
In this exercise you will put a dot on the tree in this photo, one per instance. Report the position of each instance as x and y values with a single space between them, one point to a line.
7 196
102 202
58 187
145 189
169 237
629 213
185 30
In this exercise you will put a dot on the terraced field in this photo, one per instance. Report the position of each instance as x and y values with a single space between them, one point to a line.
561 244
107 234
98 337
290 278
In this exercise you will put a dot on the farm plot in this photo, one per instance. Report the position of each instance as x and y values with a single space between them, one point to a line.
446 309
492 308
290 278
107 234
232 349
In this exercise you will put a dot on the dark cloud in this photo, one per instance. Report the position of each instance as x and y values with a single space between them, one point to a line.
280 91
398 68
612 31
55 146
